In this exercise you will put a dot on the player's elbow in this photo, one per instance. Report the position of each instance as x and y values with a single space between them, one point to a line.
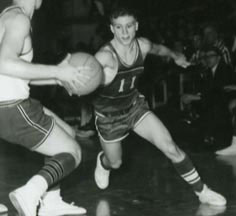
7 65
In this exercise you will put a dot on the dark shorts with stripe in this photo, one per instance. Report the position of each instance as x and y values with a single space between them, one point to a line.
114 127
24 122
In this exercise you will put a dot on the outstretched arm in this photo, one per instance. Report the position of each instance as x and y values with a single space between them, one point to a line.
161 50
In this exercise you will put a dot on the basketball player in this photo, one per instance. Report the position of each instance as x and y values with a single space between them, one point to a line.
23 120
119 107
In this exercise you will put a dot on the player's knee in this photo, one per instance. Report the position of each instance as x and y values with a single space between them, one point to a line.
115 164
77 155
71 132
75 151
173 152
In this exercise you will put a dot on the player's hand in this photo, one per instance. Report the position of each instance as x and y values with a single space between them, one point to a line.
180 60
71 77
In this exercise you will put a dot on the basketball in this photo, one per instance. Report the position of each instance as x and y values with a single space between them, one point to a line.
94 74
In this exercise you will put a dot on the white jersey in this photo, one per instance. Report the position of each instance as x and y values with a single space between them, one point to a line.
12 88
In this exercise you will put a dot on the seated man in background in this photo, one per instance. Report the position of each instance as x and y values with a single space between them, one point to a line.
211 95
191 99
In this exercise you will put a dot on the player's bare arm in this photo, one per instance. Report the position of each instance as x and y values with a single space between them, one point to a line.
45 82
16 34
109 64
161 50
14 39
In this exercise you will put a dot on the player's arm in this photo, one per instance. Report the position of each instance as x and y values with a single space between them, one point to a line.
44 82
17 29
109 64
161 50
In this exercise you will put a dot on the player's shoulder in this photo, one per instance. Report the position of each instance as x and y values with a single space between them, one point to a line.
145 44
105 54
16 18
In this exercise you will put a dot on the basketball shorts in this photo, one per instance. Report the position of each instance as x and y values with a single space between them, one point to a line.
114 127
24 122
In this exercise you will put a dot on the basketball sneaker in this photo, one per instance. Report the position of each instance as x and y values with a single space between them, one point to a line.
101 175
26 200
209 210
3 209
53 205
228 151
210 197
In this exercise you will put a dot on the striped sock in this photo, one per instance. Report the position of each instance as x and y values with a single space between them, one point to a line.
57 168
188 172
55 186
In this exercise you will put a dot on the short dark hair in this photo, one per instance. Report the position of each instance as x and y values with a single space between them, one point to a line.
122 11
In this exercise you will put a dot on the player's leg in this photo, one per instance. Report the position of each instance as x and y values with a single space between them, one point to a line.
65 157
60 122
153 130
52 198
109 158
111 130
41 135
52 202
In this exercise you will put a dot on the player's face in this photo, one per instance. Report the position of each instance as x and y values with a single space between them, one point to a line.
124 29
212 59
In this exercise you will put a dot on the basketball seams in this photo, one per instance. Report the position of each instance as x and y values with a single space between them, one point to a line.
84 64
94 71
92 64
86 60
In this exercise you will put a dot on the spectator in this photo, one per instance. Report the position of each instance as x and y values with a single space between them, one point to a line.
217 76
208 98
211 38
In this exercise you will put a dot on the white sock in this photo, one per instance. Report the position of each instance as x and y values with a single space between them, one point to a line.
39 183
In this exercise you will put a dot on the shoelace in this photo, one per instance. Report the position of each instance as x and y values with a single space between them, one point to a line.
41 202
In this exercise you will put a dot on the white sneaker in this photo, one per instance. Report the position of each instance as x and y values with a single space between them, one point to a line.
209 210
210 197
230 150
53 205
3 209
25 199
101 175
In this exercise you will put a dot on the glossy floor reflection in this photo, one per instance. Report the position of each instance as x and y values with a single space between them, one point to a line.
145 185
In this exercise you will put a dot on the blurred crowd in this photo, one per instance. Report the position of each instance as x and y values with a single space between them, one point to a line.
206 90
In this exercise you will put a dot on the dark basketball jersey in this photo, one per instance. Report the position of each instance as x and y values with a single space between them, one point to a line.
122 91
